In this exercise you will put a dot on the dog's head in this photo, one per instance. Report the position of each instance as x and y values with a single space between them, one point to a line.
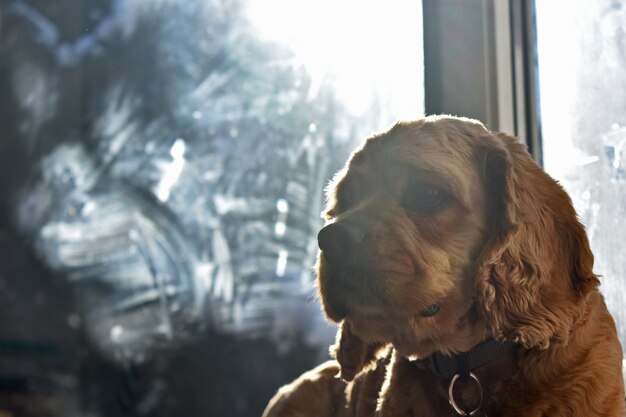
441 234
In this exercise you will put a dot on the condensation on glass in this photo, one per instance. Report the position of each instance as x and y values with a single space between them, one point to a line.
177 155
583 117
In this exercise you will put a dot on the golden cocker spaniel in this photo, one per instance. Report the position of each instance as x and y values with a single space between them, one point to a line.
463 283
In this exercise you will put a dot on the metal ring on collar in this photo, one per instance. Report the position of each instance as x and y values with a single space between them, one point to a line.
453 403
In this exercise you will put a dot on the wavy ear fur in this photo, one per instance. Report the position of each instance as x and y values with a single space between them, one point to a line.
535 271
352 353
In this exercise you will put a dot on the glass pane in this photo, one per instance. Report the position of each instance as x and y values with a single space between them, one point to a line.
583 116
162 166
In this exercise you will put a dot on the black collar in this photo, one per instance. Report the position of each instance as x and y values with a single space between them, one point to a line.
447 366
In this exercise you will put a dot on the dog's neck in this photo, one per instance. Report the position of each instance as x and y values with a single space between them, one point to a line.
481 372
447 366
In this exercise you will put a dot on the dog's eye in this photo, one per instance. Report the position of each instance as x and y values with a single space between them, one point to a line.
424 198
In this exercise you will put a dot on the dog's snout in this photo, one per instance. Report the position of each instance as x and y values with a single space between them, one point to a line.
338 239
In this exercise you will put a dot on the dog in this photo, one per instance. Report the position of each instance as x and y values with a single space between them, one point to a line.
463 284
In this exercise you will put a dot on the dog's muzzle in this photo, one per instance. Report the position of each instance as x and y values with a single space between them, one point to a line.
341 245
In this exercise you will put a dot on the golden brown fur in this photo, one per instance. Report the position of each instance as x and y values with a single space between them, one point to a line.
502 254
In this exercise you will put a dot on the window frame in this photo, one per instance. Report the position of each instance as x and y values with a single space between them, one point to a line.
500 46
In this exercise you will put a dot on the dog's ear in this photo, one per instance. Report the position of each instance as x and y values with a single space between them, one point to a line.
535 270
352 353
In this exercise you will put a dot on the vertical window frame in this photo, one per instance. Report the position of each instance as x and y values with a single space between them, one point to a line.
500 43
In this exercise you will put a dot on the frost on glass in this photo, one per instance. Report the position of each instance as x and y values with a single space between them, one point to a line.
166 163
178 167
582 80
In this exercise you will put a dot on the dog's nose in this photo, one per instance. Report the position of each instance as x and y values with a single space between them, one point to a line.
338 239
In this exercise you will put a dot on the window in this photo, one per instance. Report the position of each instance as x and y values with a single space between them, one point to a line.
162 166
583 117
